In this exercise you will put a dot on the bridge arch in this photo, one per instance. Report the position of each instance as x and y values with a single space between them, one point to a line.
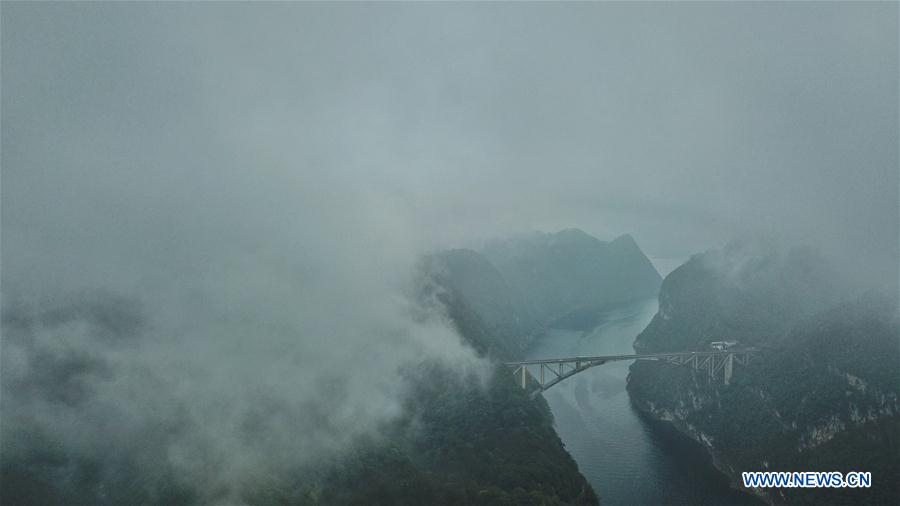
555 370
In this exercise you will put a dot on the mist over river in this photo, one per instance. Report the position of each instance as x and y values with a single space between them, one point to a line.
628 459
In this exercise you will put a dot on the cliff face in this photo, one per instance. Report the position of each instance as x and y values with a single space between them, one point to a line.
822 394
499 446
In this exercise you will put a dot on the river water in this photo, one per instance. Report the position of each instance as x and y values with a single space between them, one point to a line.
628 459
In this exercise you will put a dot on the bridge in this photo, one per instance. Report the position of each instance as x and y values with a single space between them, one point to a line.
554 370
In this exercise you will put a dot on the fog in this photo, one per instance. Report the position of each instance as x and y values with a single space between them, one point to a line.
212 213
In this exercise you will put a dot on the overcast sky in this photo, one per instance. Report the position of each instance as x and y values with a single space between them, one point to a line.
127 126
275 169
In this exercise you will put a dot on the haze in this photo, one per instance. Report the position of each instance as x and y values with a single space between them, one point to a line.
257 181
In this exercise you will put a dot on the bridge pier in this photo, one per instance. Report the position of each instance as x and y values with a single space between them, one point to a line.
729 360
559 368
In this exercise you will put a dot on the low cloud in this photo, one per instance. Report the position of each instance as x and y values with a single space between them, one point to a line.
212 213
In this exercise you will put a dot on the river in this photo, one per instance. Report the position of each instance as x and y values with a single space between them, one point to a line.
628 459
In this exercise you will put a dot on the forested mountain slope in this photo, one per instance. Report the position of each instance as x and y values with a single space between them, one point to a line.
567 277
510 293
466 434
494 318
463 436
822 393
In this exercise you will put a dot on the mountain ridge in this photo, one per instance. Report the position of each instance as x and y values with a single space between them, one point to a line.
822 393
568 275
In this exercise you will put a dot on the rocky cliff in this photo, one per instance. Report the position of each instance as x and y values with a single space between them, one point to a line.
821 395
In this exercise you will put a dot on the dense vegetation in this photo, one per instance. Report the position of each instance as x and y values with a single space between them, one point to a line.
464 443
462 440
749 293
487 311
502 298
823 392
469 440
463 437
465 440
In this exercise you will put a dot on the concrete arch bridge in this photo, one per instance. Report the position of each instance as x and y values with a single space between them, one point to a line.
549 372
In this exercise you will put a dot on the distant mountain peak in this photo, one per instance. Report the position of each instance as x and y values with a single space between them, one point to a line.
625 240
573 232
570 272
572 236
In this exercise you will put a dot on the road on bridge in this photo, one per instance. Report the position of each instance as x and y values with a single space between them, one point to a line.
554 370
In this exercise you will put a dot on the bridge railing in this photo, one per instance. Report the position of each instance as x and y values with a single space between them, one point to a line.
554 370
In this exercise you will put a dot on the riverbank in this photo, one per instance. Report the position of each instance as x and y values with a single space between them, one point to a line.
627 459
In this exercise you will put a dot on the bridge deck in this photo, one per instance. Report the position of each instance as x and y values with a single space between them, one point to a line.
610 358
555 370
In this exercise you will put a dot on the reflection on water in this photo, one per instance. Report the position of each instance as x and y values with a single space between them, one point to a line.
627 458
